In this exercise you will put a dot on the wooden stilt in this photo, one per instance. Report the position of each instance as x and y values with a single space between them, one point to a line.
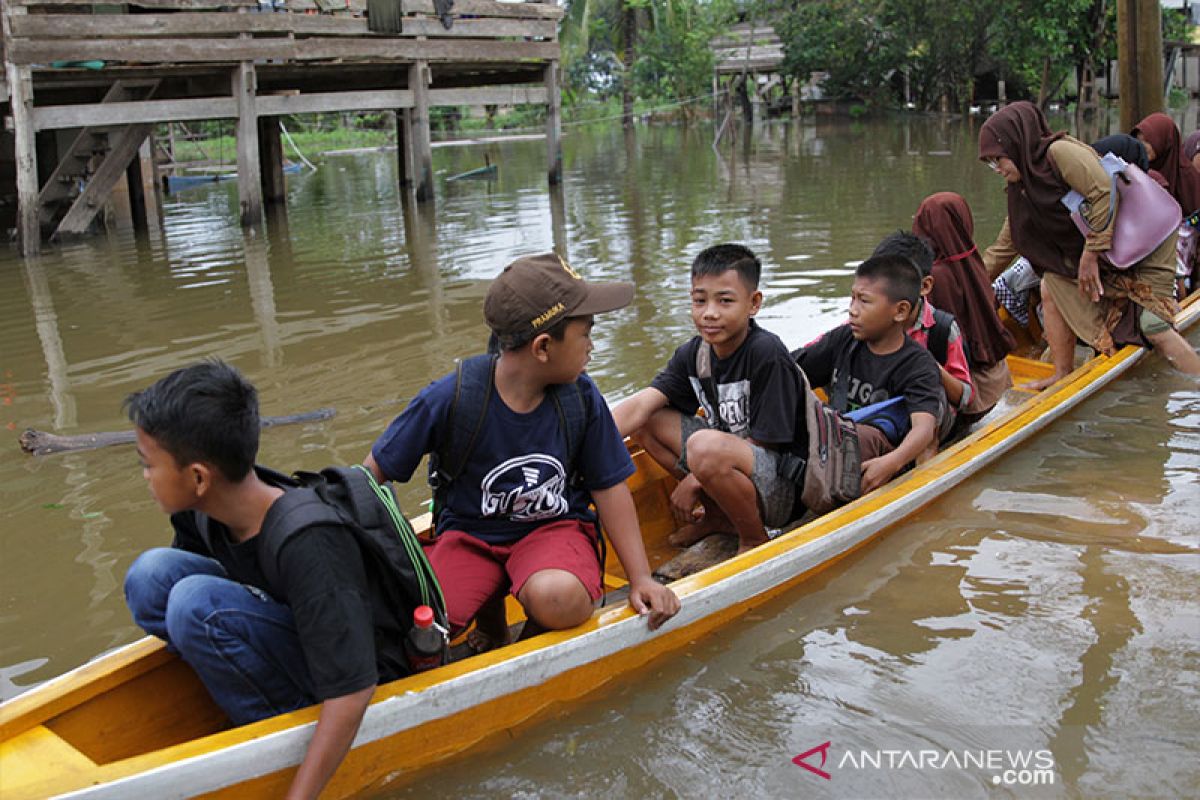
249 171
419 141
404 166
1140 60
558 219
270 154
150 179
553 123
137 194
20 97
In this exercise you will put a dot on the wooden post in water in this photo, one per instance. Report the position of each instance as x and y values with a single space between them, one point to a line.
249 171
404 148
270 153
1140 59
20 101
553 123
418 140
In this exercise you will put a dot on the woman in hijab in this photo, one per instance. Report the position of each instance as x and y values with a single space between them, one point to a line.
1161 139
1191 148
960 286
1104 307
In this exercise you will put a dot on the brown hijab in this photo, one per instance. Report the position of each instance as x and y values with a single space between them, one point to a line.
1041 227
960 283
1183 180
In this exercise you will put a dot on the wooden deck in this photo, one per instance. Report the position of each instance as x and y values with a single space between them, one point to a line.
82 80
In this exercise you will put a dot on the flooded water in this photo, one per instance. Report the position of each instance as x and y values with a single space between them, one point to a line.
1049 604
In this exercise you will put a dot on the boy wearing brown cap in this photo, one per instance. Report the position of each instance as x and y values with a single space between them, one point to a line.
513 512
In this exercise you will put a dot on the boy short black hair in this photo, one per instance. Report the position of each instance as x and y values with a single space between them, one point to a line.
898 275
507 342
204 413
720 258
910 246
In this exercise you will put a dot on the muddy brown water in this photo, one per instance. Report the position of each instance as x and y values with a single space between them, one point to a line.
1048 604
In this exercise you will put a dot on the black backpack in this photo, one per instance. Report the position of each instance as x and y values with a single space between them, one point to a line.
351 497
939 338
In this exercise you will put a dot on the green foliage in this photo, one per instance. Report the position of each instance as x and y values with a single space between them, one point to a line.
867 47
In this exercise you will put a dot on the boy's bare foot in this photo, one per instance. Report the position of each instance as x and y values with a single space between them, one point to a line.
744 545
693 532
1043 383
491 627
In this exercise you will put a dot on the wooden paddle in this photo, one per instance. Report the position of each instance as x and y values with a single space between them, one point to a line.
40 443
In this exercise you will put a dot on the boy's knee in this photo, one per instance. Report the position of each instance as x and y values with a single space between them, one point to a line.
555 599
189 603
710 452
146 580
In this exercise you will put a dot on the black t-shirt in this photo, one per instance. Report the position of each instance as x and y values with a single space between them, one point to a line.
758 389
911 371
349 634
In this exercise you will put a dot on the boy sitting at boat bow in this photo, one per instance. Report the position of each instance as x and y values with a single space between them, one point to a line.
728 461
317 631
522 444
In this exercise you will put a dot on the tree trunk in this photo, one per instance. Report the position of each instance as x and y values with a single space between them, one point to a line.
1044 90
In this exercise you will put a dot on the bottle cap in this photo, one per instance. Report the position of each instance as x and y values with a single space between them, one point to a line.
423 616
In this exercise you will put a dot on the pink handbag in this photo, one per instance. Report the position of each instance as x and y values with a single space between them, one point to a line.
1148 213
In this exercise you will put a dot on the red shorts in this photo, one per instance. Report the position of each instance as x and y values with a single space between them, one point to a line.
471 571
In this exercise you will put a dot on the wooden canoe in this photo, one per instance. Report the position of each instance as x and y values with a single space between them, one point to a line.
136 722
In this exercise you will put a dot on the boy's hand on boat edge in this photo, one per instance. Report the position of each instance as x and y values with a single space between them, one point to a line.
650 598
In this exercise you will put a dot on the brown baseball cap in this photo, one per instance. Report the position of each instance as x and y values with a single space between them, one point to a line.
535 292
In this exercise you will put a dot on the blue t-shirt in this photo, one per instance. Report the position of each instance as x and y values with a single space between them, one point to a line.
517 478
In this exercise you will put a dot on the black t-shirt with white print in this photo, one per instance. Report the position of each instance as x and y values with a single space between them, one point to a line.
758 389
911 371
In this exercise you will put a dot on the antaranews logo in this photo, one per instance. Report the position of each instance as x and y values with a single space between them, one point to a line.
1008 767
823 749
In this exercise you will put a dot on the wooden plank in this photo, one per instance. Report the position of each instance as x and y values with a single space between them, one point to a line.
249 171
479 28
487 8
100 114
192 51
83 26
324 102
90 201
489 95
165 5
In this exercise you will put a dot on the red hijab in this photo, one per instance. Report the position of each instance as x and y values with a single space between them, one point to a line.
960 282
1041 227
1183 180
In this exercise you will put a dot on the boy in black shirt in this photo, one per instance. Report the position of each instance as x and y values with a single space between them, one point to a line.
874 361
728 460
324 634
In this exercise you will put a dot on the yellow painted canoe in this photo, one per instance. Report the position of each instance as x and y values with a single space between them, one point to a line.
137 723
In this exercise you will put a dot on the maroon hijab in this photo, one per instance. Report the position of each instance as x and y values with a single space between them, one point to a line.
960 283
1183 180
1041 227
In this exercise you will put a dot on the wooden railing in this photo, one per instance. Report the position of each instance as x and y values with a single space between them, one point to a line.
199 31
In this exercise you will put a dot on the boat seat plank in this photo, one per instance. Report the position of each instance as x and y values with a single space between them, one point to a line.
162 707
39 763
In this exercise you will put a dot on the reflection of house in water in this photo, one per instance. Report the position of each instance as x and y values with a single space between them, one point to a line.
87 85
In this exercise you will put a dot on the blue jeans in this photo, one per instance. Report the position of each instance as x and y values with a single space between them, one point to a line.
242 644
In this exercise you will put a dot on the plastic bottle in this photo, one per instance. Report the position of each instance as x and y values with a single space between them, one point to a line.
424 644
